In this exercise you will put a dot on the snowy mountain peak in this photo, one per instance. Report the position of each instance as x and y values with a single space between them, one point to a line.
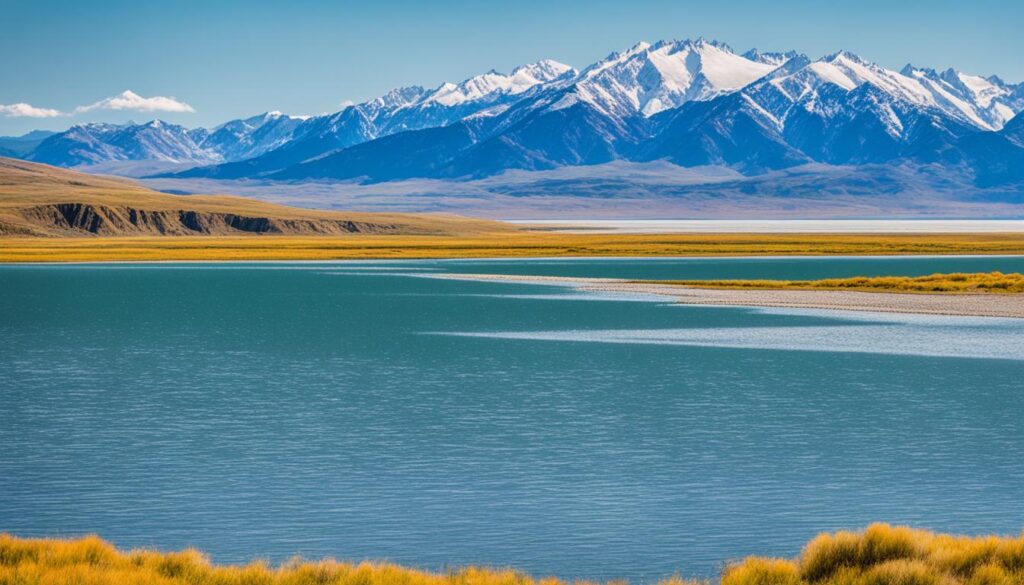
95 143
845 56
154 124
648 79
615 58
983 101
544 70
911 70
248 137
702 42
481 87
967 99
849 71
769 58
396 98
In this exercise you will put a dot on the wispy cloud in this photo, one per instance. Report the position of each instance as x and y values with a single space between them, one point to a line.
23 110
129 100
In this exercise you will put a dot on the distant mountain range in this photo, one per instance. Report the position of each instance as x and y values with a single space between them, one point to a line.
90 144
690 103
18 146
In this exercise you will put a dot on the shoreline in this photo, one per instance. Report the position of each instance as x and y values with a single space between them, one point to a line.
514 244
373 259
948 304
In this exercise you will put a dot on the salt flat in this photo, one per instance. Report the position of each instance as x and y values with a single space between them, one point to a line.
780 226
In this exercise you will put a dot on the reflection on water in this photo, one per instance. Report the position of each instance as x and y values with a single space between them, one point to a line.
937 336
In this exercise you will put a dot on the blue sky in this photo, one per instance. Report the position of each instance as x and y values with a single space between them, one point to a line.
228 59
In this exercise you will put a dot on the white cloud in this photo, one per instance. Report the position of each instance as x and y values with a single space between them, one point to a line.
347 104
23 110
129 100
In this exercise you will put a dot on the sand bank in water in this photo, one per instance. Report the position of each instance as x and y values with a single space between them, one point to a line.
969 305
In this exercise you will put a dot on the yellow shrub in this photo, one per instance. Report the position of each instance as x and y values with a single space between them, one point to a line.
882 543
902 572
990 574
960 555
1010 554
828 553
762 571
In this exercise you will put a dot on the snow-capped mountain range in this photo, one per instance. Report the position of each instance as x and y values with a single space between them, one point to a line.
691 102
88 144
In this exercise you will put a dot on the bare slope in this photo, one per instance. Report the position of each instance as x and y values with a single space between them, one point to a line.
40 200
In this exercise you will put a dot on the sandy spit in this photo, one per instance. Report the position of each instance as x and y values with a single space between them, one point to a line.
969 305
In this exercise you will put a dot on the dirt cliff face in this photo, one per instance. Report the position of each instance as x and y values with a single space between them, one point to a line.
103 220
40 200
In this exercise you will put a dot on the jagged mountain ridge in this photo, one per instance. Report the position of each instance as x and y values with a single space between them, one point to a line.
404 109
688 102
89 144
840 109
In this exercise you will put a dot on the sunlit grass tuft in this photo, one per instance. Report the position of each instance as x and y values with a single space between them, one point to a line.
891 555
762 571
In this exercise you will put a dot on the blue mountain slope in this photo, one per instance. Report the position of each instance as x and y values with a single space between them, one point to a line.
95 143
1014 130
313 138
479 146
246 138
725 131
993 158
19 146
403 155
546 139
866 125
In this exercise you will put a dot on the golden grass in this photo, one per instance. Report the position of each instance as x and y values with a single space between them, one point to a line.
888 555
879 555
91 561
495 245
979 282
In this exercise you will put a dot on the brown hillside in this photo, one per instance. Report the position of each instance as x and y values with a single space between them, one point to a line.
41 200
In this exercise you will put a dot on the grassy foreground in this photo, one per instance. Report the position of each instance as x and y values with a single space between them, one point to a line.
880 555
979 282
494 245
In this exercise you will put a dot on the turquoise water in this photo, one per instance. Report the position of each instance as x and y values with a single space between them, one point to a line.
360 410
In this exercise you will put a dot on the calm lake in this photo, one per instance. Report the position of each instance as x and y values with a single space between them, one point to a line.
364 410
